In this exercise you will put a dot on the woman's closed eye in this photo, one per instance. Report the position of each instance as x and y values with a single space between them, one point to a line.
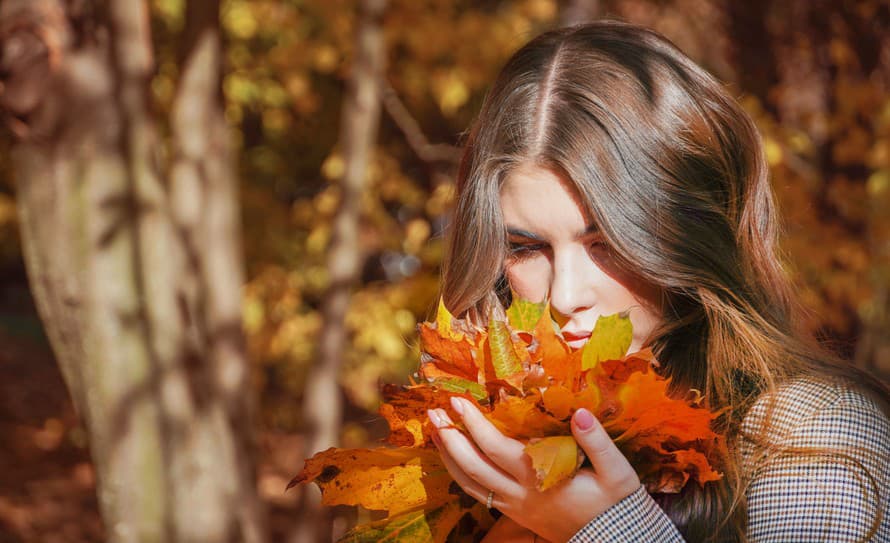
522 250
596 245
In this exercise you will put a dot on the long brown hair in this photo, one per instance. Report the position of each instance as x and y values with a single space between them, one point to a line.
673 172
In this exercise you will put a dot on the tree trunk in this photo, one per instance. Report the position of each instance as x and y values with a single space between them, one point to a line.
579 11
322 405
134 262
752 48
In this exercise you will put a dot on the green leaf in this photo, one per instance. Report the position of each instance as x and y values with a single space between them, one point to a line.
413 527
503 355
462 385
610 340
523 314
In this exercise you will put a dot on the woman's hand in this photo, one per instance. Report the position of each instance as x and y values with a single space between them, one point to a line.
506 530
489 461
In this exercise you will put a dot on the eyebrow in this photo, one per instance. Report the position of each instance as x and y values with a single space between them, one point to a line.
520 233
591 229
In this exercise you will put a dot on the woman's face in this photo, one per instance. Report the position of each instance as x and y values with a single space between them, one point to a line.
556 250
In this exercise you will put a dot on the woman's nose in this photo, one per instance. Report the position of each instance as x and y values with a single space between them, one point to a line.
570 284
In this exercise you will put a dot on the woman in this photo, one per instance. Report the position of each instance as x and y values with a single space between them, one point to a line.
607 172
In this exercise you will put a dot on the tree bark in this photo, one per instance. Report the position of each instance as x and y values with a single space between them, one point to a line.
752 50
134 261
579 11
323 404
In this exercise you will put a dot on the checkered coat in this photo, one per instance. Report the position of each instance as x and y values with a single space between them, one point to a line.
792 498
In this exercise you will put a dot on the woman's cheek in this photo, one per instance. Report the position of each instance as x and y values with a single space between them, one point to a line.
530 278
644 321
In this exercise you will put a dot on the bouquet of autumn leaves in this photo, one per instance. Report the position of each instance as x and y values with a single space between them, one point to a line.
528 382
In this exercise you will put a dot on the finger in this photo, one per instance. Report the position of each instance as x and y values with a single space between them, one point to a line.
467 484
609 463
469 462
507 453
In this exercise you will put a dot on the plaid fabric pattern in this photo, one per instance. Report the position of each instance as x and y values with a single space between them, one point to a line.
792 497
795 497
635 519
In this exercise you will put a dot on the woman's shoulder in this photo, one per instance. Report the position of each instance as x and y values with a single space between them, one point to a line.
827 412
818 463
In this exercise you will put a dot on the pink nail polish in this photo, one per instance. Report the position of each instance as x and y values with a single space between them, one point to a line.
458 405
584 419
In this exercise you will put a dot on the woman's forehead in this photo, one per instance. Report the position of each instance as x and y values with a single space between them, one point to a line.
541 198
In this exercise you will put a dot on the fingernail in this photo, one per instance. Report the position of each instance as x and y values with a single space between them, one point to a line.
443 416
434 418
584 419
458 405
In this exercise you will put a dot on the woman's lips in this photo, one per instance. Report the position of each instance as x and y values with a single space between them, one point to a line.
575 340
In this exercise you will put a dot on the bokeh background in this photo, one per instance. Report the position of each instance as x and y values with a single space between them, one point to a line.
814 74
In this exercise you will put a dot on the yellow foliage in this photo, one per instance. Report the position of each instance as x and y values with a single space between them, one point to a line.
879 183
451 91
773 151
276 121
286 64
298 85
253 315
543 10
417 232
333 167
169 11
238 19
327 200
325 58
238 87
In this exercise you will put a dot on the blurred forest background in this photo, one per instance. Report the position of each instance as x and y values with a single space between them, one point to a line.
339 266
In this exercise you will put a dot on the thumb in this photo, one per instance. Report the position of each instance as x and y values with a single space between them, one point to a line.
608 462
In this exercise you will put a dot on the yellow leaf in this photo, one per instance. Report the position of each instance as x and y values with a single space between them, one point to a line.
443 322
521 418
523 314
459 385
610 339
382 479
554 459
504 358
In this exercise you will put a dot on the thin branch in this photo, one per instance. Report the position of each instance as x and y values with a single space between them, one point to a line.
426 151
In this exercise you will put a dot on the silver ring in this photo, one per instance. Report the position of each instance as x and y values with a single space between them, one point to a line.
489 499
